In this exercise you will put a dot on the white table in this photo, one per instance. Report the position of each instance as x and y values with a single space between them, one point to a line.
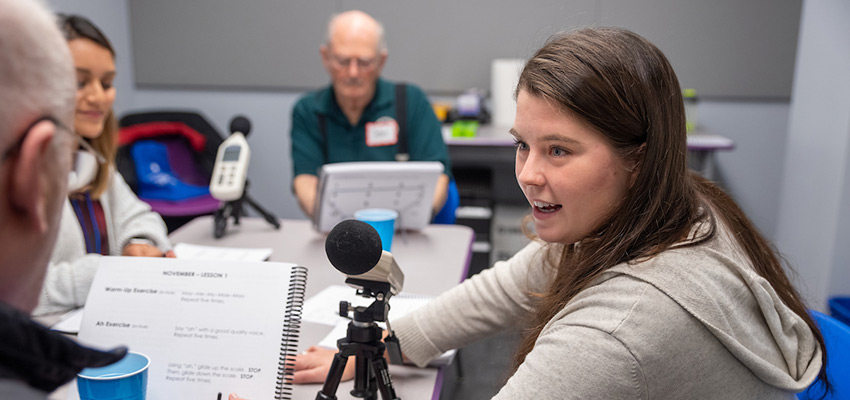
433 260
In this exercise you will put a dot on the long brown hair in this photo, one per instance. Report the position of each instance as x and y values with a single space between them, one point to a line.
78 27
626 89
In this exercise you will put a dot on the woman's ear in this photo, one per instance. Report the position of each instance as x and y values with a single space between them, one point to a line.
29 178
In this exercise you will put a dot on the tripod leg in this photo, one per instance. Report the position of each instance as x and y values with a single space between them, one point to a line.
220 223
385 382
328 391
237 211
364 382
269 217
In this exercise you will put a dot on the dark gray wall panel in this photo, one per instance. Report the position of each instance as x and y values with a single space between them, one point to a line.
720 47
449 46
251 43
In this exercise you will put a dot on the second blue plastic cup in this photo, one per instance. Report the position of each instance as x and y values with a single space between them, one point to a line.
126 379
383 220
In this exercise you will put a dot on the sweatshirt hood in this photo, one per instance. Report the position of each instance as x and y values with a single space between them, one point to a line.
749 319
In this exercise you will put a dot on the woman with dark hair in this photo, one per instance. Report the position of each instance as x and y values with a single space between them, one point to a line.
644 279
102 215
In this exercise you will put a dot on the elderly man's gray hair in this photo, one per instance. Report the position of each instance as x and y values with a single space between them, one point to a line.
36 69
379 27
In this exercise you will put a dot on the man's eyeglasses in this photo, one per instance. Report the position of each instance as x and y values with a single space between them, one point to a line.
362 63
16 148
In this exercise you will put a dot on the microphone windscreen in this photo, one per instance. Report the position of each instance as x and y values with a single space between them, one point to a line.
240 124
353 247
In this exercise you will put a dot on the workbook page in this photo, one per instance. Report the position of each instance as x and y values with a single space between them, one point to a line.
209 327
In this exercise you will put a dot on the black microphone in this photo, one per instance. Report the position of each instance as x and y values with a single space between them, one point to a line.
240 124
354 248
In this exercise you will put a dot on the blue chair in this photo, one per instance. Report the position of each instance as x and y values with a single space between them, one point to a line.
839 307
837 338
446 215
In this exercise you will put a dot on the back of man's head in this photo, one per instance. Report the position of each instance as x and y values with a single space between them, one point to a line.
36 71
37 90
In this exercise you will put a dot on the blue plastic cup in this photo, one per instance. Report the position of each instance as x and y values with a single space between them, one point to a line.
126 379
383 220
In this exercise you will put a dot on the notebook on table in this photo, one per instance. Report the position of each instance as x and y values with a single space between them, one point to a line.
209 326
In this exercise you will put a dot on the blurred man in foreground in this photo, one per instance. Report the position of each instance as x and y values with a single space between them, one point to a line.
37 96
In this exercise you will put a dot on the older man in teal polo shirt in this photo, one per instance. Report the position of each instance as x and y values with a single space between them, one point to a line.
357 117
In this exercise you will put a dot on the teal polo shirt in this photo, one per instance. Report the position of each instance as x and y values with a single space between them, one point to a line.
347 142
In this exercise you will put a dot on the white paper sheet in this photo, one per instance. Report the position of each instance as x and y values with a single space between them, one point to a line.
69 322
209 327
323 309
199 252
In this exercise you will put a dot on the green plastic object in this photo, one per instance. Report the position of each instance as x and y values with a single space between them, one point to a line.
690 98
464 128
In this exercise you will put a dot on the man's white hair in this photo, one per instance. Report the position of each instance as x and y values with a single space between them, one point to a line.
36 69
382 43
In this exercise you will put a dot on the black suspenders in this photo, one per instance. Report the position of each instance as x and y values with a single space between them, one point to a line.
323 130
402 153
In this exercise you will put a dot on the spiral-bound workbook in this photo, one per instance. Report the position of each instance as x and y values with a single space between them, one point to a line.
211 328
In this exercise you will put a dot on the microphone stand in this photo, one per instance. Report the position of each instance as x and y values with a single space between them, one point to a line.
235 209
363 341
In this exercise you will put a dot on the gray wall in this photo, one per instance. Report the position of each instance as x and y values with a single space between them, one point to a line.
722 47
752 172
814 212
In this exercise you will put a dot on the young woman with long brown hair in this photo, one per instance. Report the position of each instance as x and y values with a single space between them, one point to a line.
102 215
644 279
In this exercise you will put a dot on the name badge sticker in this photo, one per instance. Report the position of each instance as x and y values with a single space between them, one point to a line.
383 132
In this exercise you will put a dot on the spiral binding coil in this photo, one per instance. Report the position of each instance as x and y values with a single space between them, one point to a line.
290 334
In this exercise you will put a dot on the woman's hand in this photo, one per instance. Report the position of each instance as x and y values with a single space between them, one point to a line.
312 366
141 250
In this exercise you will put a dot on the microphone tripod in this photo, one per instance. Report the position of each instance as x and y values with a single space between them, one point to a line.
235 209
363 341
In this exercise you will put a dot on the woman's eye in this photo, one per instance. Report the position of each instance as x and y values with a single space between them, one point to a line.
520 145
558 152
106 85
